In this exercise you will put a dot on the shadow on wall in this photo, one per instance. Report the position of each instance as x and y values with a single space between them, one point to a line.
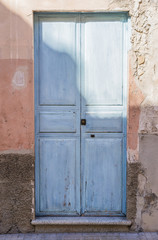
16 74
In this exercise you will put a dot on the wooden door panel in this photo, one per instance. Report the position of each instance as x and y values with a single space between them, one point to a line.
57 63
102 175
103 121
57 122
58 173
103 60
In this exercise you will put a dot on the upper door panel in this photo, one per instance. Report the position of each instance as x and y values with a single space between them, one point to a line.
102 60
57 61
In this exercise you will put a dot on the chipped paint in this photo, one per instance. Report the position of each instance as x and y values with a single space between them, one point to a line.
19 80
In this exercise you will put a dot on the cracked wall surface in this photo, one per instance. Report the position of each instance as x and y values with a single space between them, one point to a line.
17 108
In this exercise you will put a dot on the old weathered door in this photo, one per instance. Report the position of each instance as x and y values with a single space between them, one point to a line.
80 112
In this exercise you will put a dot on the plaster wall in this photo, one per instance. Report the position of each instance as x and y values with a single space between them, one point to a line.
17 108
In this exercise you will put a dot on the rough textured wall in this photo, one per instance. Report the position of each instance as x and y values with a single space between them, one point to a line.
16 190
17 104
16 122
143 111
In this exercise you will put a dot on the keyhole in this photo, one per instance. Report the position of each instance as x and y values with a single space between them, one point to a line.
92 135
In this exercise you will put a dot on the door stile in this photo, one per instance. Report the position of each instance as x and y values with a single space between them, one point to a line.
78 86
126 40
82 57
36 94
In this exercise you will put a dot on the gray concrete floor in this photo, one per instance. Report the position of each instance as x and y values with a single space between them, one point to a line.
82 236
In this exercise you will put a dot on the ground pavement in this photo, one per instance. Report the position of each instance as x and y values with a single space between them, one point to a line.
81 236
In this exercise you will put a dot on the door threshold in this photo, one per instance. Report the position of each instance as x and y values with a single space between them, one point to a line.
81 224
81 221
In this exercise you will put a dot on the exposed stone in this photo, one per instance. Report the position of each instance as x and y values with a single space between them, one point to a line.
147 195
141 60
150 201
148 123
133 169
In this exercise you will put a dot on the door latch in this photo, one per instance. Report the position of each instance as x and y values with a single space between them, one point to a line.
83 121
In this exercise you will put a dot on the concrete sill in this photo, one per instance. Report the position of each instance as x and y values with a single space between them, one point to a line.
106 221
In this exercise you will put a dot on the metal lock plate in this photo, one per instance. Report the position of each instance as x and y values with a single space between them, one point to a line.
83 121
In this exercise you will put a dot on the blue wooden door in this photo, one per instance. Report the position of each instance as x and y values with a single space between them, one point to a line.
80 73
104 108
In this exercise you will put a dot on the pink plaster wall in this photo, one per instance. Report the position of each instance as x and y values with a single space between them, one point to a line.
16 82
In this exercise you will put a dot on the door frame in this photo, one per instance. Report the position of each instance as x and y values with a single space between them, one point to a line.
126 33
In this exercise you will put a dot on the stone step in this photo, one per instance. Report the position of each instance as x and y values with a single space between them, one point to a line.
81 224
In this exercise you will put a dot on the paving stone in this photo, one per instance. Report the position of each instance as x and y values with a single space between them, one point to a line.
155 236
142 236
81 236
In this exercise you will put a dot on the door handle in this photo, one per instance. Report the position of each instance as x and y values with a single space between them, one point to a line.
83 121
